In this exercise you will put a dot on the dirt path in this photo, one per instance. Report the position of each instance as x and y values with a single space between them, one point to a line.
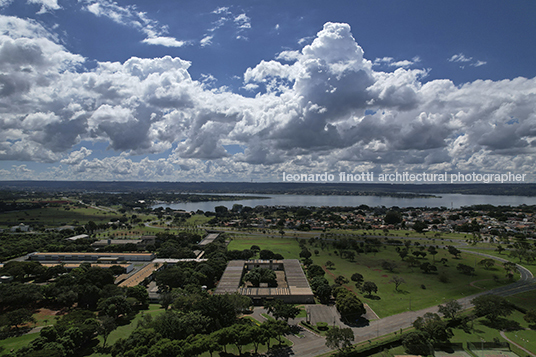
476 281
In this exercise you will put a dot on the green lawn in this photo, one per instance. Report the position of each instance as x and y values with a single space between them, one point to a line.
287 247
16 342
387 301
198 219
524 338
125 330
504 255
56 216
525 300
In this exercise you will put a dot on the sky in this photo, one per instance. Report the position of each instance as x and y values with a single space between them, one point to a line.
251 90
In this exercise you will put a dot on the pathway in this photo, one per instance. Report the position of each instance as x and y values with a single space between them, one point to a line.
518 345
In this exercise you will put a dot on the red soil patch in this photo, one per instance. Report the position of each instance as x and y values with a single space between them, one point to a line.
385 276
377 269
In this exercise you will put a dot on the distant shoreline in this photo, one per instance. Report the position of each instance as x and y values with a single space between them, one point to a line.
341 189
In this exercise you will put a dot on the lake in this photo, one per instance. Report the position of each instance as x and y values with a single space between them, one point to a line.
446 200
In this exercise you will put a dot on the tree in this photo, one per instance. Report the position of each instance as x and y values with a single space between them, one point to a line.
388 266
392 217
433 251
106 326
397 281
510 267
329 264
454 251
412 261
314 271
323 293
255 248
305 253
435 328
416 343
114 306
370 287
138 292
419 226
357 278
339 338
428 268
275 329
530 316
403 253
266 254
450 309
465 269
257 276
487 263
17 317
283 311
341 280
240 335
349 305
492 306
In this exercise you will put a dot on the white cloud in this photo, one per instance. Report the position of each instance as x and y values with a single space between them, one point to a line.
460 57
221 10
206 41
164 41
324 107
131 17
389 61
479 63
5 3
46 5
242 21
76 157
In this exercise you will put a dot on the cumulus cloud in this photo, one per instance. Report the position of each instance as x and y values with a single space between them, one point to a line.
321 107
76 157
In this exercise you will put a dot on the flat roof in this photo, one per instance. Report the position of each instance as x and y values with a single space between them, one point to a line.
209 238
139 276
94 254
294 275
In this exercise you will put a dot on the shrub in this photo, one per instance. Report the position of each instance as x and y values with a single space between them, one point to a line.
322 326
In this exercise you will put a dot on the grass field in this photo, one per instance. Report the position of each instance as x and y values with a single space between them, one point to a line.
57 216
525 300
504 255
287 247
387 301
16 342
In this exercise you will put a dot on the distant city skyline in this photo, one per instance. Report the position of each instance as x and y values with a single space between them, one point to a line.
248 91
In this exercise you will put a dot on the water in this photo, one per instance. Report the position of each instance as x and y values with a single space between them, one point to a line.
446 200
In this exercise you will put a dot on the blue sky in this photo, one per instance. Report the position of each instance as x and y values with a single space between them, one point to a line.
247 90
